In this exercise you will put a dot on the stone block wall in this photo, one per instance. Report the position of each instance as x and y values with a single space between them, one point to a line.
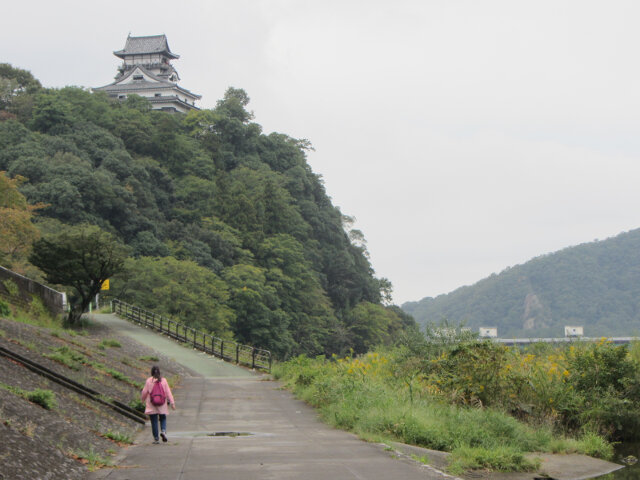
55 301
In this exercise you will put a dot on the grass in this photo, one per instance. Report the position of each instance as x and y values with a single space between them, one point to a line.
422 459
122 377
91 458
67 357
365 397
503 458
137 404
45 398
149 358
118 437
106 343
36 315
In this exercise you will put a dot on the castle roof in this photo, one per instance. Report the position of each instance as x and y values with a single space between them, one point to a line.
156 83
146 45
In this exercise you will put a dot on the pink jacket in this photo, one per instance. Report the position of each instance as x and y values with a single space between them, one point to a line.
146 397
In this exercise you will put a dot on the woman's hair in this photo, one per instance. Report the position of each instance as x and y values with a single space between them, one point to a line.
155 372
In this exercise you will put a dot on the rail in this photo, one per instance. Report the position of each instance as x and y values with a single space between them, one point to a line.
227 350
66 382
530 341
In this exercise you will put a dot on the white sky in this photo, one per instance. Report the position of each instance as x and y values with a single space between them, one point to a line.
464 136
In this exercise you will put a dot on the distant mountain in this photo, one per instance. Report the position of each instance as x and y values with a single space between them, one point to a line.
595 285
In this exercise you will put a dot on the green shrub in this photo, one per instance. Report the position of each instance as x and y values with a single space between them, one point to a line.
503 458
433 402
44 398
5 311
109 343
138 405
11 287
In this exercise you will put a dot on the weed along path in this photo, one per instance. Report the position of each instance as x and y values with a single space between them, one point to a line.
232 423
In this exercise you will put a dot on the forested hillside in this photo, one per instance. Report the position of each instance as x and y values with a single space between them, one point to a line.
596 285
227 227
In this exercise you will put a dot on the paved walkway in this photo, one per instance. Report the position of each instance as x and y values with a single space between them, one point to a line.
200 362
280 437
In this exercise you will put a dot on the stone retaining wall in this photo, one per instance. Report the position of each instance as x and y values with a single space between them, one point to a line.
55 301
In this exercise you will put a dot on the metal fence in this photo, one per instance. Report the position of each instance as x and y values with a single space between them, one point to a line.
224 349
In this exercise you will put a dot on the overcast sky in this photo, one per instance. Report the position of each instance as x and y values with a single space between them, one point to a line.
464 136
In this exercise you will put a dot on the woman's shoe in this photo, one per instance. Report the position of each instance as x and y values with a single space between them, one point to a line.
164 436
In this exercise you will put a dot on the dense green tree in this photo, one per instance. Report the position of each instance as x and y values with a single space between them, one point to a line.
179 288
81 257
17 233
371 325
260 319
17 90
210 191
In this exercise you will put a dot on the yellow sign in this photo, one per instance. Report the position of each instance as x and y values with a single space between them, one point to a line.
105 285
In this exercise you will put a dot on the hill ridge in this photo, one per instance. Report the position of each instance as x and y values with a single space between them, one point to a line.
594 284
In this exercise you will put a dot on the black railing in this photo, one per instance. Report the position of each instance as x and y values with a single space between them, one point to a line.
225 349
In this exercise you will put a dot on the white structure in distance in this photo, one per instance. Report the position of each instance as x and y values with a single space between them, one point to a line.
488 332
573 331
147 71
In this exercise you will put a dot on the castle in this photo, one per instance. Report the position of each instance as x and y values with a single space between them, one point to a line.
147 71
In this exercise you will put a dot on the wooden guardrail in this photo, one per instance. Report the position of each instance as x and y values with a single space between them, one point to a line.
225 349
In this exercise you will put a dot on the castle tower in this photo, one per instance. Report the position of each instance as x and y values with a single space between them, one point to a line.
146 70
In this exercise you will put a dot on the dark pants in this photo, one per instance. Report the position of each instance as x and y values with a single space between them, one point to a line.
154 424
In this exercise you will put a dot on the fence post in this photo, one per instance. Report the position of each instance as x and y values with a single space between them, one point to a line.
148 319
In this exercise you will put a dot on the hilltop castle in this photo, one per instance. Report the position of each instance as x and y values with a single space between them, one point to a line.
147 71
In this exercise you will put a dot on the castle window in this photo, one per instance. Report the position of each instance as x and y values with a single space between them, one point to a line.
157 94
137 78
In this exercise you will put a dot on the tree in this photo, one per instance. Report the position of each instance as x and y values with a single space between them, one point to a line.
17 233
178 288
17 88
371 325
81 257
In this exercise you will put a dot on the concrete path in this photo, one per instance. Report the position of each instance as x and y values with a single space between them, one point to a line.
279 436
232 423
202 363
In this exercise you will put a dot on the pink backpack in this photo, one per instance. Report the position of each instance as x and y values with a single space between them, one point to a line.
157 395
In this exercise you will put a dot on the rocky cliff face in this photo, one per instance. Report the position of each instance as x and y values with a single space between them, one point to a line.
535 315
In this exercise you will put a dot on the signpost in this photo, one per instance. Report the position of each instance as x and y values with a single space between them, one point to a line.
104 286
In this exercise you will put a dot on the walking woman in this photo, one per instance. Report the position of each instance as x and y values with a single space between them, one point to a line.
156 394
